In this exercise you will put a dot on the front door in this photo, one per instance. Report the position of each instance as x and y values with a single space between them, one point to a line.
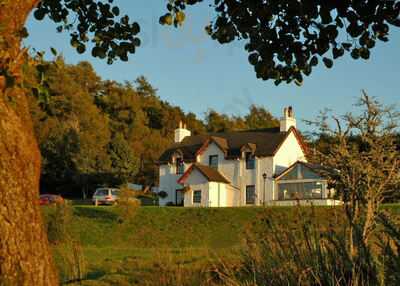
179 196
250 195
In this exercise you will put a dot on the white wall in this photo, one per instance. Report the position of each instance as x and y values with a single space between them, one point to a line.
231 195
213 194
288 153
235 171
168 182
265 165
197 182
218 195
229 168
180 134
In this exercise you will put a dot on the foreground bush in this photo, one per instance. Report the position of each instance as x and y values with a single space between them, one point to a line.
127 205
58 219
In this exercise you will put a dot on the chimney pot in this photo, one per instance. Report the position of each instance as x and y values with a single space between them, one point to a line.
290 112
288 120
181 132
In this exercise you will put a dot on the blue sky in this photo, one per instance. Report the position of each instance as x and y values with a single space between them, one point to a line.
194 72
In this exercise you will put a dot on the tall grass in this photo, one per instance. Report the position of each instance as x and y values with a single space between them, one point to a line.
281 246
306 252
71 260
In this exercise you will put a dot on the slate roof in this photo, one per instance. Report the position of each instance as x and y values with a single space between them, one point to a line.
212 175
266 142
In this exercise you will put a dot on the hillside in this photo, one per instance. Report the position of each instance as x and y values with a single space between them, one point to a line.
172 241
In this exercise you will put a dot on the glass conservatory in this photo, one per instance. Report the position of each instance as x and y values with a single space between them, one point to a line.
301 181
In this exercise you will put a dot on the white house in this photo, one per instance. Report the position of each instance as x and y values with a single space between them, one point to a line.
242 168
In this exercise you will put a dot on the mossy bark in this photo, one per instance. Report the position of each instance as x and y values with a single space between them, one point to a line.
25 257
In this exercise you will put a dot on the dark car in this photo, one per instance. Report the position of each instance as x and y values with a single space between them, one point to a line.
50 199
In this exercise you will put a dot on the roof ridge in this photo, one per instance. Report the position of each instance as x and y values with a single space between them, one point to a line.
211 174
266 142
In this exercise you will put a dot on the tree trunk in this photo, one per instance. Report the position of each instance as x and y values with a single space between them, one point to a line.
25 257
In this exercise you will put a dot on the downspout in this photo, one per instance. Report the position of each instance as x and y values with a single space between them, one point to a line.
240 181
219 193
257 180
273 189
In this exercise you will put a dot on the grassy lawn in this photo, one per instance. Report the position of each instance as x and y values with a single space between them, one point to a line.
181 241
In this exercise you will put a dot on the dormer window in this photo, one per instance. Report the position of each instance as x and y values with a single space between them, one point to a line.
250 161
213 161
179 166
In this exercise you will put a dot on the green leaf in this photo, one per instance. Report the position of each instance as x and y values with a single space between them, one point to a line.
364 53
328 62
355 54
81 49
253 59
115 10
135 28
23 33
53 51
39 14
298 83
314 61
180 17
136 42
347 46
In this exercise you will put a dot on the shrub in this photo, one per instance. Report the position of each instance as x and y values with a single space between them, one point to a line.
127 205
58 221
73 262
162 194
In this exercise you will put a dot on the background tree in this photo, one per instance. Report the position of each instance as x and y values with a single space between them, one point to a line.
123 161
259 117
88 132
363 163
216 122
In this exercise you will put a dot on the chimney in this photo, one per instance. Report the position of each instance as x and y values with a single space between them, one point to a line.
181 132
287 120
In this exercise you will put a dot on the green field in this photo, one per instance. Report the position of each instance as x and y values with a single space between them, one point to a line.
171 242
154 238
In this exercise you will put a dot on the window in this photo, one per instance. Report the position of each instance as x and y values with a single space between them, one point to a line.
301 190
250 195
115 192
196 197
300 172
250 161
179 199
213 161
180 167
101 192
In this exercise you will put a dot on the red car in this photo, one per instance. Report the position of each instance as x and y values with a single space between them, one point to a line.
49 199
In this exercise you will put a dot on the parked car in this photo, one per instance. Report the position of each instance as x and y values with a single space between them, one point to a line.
49 199
106 196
